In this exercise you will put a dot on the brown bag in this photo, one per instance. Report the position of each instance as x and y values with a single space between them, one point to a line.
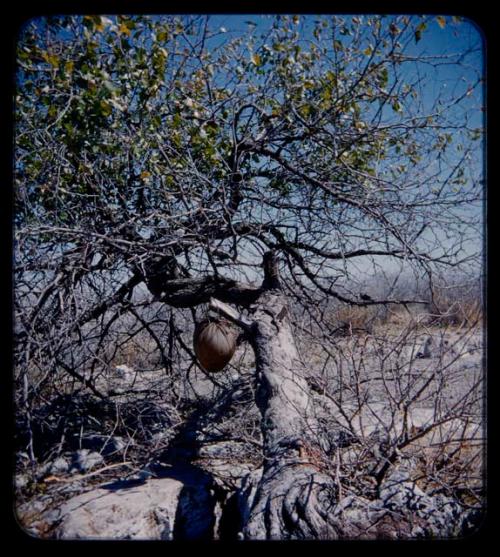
214 344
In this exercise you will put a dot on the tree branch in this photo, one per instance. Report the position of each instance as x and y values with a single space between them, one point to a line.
190 292
231 314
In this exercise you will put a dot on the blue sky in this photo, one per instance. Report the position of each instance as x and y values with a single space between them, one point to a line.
443 82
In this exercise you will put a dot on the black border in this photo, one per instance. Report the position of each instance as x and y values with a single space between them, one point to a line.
480 12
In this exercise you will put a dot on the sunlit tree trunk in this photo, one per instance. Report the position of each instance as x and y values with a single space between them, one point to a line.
293 496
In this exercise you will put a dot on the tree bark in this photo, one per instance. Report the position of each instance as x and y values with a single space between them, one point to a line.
292 497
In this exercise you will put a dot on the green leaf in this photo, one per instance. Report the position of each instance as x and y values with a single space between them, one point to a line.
111 87
331 77
177 121
105 108
99 24
211 125
52 59
305 110
123 29
419 30
255 58
326 94
393 29
441 21
384 76
279 185
396 106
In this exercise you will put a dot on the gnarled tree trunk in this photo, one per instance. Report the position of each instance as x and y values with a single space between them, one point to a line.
293 497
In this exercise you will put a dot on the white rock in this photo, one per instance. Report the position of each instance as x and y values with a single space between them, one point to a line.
20 481
426 348
148 511
84 460
59 466
103 443
124 371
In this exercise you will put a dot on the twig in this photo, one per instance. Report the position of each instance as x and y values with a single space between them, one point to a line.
51 479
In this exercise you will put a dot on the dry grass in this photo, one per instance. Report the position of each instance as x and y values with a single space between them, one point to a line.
450 308
355 318
456 465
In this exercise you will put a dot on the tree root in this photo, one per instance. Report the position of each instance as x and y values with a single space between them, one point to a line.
292 501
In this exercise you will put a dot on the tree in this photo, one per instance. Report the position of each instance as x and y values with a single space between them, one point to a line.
268 169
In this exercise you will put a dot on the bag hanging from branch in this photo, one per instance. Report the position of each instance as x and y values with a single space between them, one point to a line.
214 344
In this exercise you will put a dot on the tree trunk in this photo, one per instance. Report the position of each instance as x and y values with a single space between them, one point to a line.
293 496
